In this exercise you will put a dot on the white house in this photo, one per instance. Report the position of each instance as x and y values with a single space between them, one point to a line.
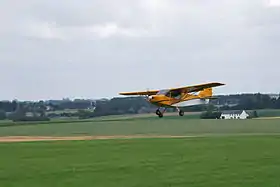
241 114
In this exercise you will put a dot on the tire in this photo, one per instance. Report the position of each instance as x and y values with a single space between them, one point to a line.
158 112
181 113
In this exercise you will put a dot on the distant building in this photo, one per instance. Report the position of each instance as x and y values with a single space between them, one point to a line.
241 114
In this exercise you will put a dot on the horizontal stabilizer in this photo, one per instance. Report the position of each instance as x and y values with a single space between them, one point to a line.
211 98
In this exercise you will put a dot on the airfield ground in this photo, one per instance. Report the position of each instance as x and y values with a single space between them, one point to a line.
172 151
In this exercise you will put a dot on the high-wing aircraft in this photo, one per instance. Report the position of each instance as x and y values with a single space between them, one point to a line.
178 97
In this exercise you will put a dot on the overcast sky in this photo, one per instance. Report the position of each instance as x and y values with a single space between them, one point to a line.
52 49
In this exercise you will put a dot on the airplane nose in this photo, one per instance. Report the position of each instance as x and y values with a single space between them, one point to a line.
150 97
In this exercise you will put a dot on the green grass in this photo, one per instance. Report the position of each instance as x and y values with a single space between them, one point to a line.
171 125
6 123
151 116
216 161
249 161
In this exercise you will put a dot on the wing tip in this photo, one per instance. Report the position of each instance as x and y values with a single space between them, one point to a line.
124 93
131 93
219 83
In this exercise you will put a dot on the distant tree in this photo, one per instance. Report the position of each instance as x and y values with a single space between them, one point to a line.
277 103
255 114
2 115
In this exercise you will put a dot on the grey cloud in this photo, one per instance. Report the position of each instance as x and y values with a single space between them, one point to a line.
188 42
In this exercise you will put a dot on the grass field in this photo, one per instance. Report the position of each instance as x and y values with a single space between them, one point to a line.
170 125
202 160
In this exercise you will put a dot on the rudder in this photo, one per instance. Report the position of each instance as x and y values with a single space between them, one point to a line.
205 93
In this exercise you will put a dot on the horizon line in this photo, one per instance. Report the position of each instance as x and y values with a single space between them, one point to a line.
120 96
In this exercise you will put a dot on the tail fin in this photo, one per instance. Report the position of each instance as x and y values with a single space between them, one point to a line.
206 93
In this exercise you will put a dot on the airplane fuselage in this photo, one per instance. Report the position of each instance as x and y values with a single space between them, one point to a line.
188 100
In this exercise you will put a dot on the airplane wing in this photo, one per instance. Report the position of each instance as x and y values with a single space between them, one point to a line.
196 88
153 92
186 89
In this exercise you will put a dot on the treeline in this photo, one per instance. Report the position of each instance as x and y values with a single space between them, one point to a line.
247 102
124 105
23 111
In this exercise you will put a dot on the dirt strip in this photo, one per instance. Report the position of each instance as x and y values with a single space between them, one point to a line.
53 138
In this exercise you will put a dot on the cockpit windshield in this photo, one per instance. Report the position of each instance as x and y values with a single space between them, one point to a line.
162 92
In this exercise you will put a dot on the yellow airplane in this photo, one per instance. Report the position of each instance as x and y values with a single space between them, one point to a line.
178 97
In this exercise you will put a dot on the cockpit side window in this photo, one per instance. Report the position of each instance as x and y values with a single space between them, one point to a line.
175 93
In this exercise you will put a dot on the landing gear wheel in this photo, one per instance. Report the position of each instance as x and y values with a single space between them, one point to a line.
181 113
158 112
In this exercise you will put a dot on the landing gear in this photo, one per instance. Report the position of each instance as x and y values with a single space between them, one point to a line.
159 113
181 113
